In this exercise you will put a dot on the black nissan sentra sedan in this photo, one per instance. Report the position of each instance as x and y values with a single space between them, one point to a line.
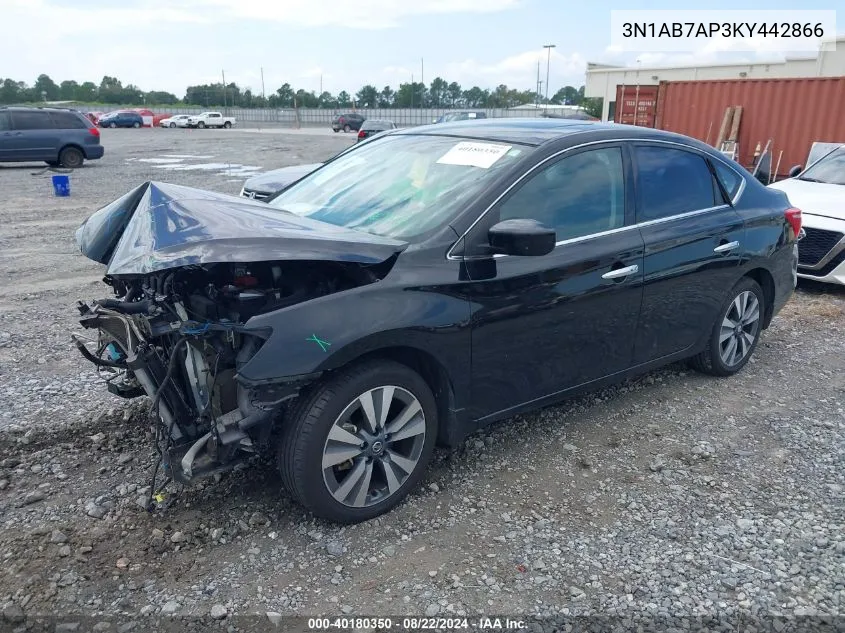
423 285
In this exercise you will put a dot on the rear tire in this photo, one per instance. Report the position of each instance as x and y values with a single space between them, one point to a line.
136 125
227 125
387 469
737 330
347 128
112 125
71 158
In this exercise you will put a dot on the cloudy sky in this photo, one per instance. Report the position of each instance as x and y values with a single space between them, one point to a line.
169 44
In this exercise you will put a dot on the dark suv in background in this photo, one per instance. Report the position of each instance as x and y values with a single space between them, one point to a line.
348 121
121 119
57 136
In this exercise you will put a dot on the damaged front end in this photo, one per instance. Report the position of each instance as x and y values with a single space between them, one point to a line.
188 270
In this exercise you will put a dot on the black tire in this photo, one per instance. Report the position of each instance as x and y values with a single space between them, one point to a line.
347 128
306 430
172 125
335 130
71 158
112 125
136 125
201 124
227 124
710 361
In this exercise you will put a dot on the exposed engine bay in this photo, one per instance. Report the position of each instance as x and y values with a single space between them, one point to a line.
178 336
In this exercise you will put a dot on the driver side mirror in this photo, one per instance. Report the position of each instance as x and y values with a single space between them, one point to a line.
522 237
795 170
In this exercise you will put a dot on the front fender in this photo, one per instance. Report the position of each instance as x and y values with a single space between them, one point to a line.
331 331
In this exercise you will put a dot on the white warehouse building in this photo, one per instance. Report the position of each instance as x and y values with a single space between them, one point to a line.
602 79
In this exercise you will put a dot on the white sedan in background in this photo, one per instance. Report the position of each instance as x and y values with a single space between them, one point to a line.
178 120
819 191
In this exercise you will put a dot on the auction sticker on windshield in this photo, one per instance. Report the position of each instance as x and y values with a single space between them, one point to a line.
471 154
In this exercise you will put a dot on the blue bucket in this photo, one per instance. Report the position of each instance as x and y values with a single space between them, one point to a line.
61 185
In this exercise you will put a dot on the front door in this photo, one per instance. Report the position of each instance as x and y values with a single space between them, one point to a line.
541 325
694 241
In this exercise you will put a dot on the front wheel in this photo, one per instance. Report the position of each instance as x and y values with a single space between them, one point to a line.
112 125
355 446
172 125
200 125
736 332
136 125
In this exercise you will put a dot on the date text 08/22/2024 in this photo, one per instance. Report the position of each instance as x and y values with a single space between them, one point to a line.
415 623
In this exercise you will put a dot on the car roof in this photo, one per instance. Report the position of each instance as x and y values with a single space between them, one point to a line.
535 131
371 121
44 108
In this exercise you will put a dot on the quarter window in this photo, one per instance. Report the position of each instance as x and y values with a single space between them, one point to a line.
728 177
578 195
4 122
67 121
672 181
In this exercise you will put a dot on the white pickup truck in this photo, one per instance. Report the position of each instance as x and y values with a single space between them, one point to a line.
210 119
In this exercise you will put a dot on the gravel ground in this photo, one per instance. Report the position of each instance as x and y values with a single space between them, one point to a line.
672 496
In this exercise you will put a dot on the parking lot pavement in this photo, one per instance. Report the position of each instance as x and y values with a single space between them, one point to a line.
673 494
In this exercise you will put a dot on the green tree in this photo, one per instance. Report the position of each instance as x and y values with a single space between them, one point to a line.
367 97
475 97
593 106
439 92
45 88
386 97
285 96
455 94
568 95
12 91
159 97
326 100
343 99
87 91
69 90
409 95
306 99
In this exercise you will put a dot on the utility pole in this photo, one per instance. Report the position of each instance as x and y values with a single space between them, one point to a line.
412 90
321 84
549 48
263 95
422 82
537 86
224 88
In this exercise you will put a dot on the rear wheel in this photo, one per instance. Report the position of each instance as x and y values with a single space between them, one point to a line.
71 157
227 124
356 446
112 125
736 332
136 124
347 128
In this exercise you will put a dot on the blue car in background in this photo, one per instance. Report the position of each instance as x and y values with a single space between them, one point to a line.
121 119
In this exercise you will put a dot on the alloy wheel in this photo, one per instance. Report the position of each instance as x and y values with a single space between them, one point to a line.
739 328
373 446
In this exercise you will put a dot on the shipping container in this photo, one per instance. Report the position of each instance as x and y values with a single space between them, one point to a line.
791 112
636 105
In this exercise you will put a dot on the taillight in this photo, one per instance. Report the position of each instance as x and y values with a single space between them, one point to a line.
94 131
793 216
361 134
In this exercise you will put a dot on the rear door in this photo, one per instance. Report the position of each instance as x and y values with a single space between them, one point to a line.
694 242
35 136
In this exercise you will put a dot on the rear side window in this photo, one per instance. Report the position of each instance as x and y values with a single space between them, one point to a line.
672 181
4 121
728 177
31 120
67 121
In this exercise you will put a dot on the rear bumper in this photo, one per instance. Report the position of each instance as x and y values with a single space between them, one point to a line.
92 152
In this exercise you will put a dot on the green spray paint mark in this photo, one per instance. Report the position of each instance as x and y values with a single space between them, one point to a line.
323 344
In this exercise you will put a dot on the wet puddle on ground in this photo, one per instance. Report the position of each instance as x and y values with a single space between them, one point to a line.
179 162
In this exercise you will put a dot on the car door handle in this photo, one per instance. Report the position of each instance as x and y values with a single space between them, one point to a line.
724 248
621 272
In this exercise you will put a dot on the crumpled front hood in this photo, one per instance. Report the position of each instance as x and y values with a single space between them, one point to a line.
158 226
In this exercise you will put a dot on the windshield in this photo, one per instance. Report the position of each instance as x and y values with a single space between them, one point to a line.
830 169
399 186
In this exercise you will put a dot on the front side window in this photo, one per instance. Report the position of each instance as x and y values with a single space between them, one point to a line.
399 186
579 195
830 169
31 120
672 181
